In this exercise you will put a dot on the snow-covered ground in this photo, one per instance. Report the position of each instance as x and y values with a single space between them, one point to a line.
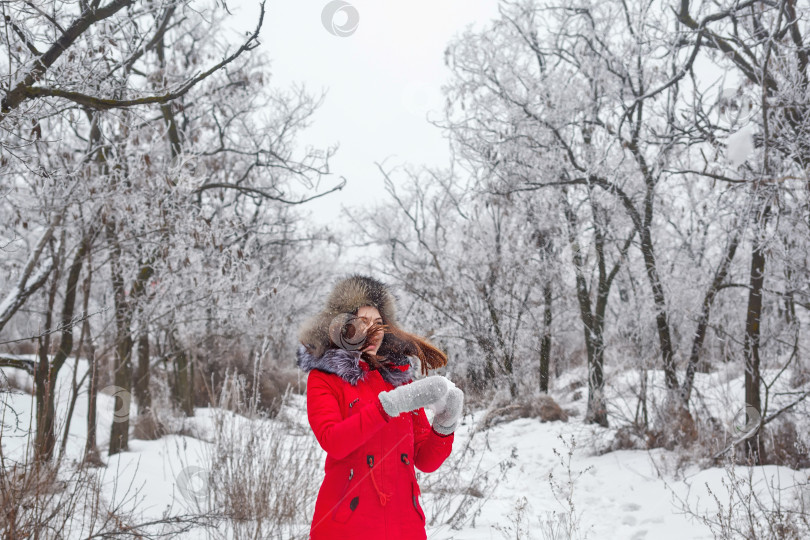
625 494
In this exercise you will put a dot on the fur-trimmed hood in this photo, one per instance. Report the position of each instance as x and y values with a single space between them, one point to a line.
347 296
397 370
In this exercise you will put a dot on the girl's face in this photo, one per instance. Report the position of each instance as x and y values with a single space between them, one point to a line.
369 315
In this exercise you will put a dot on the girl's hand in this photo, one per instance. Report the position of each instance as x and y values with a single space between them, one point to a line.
446 419
438 406
415 395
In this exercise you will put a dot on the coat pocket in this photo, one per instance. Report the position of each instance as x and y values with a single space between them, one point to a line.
345 506
415 491
351 403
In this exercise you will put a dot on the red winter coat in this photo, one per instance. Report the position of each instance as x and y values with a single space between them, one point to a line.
370 488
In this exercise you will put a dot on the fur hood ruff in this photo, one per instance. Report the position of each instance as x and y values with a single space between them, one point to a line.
347 365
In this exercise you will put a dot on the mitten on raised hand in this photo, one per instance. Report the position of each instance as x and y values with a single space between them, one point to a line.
438 406
446 419
415 395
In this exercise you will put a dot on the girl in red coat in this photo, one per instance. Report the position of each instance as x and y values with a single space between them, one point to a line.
368 414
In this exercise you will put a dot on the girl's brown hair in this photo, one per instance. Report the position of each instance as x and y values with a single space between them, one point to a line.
399 342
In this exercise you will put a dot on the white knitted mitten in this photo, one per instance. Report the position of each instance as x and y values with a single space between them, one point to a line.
446 420
415 395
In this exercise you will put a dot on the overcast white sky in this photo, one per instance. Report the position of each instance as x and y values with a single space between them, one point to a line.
382 81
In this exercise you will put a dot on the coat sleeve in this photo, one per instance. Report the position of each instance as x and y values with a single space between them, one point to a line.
430 447
339 436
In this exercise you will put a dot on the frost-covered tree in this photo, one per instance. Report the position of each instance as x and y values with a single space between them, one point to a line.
461 258
143 146
686 127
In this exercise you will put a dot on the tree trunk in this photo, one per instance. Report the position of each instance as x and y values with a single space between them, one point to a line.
641 419
545 344
143 396
122 377
44 434
644 224
45 439
597 411
753 445
147 425
66 343
83 336
800 374
183 380
661 319
703 319
91 454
